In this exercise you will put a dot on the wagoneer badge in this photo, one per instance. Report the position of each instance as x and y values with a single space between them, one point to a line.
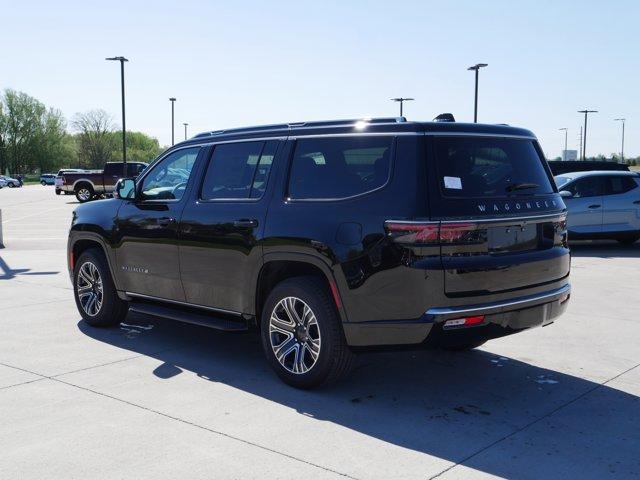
128 268
506 207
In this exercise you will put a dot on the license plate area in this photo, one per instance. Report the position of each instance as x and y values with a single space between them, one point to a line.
513 238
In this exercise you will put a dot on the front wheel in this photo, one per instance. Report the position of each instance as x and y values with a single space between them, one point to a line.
95 292
302 334
12 185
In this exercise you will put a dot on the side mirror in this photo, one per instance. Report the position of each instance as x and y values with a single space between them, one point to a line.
125 189
566 194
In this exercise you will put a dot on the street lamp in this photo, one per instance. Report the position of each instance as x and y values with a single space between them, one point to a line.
564 153
584 134
124 125
477 68
173 101
622 150
185 130
401 101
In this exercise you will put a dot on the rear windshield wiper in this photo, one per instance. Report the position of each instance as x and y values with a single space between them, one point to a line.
521 186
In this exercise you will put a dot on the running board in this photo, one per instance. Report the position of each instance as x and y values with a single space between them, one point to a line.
189 316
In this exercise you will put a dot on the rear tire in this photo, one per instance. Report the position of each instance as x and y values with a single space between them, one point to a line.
43 183
629 240
11 185
302 334
94 291
57 191
84 193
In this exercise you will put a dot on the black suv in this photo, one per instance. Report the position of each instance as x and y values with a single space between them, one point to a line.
331 237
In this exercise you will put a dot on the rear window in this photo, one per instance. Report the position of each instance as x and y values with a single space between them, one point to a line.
335 168
489 167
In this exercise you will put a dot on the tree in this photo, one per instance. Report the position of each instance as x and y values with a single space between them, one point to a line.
95 139
31 137
140 147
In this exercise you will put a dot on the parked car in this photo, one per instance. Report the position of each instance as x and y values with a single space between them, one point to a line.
86 185
11 182
332 237
558 167
3 182
47 179
59 180
602 205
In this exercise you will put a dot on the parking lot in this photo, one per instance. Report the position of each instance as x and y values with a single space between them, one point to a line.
153 399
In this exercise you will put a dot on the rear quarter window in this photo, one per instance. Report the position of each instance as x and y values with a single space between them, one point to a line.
337 168
490 167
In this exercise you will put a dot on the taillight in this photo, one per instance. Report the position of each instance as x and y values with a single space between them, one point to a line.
433 232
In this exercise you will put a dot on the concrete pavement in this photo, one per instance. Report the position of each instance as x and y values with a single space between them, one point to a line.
154 399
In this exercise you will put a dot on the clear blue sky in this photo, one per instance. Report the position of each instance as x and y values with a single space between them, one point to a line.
236 63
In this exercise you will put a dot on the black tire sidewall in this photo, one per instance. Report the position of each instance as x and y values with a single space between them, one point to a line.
91 194
112 306
314 294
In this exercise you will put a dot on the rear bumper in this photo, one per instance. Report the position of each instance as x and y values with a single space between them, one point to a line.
501 318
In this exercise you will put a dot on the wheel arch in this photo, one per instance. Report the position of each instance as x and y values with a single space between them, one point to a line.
280 266
81 242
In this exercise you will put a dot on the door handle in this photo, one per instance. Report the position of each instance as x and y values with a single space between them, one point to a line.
594 206
165 221
637 202
246 223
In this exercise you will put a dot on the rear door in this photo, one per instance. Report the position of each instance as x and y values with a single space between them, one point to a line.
585 207
621 204
222 226
502 222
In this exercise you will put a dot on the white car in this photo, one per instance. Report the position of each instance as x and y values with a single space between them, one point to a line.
10 181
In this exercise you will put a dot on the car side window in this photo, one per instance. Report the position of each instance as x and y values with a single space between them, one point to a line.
586 187
168 179
238 170
618 185
335 168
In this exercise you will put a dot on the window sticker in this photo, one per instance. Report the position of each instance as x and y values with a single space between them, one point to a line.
453 183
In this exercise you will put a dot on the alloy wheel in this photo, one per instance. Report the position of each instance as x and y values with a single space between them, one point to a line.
89 289
84 194
294 335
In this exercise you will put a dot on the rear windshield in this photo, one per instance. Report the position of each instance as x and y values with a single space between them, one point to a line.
490 167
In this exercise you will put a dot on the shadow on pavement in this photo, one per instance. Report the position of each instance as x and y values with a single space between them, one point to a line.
604 249
448 405
8 273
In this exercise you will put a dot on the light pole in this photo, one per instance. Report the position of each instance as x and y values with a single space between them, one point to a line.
584 134
477 68
173 101
124 124
401 100
564 152
622 150
185 130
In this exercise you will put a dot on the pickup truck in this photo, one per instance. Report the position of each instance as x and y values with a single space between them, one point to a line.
88 185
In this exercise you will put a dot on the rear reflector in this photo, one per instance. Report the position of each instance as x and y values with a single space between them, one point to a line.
465 322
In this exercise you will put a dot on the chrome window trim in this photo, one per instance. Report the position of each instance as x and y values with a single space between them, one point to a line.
178 302
521 219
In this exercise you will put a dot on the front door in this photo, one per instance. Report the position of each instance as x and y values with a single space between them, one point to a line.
147 228
585 206
221 228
